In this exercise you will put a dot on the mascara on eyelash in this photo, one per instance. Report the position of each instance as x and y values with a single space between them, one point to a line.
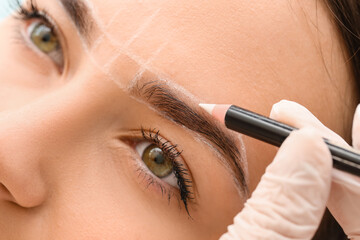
30 11
178 168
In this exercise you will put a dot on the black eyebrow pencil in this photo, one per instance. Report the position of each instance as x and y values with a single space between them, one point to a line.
274 132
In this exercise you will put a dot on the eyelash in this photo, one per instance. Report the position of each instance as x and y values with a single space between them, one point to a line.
181 173
33 12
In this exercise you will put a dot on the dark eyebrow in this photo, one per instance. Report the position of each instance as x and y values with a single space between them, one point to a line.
79 13
162 98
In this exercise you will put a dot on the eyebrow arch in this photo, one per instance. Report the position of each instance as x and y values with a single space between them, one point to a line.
80 15
173 108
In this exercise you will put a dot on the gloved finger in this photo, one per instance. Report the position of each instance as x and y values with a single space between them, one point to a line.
290 199
344 202
345 189
298 116
356 129
345 192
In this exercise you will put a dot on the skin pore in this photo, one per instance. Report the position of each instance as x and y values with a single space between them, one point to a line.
69 165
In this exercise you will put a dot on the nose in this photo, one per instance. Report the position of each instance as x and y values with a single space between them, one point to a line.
21 179
38 141
35 140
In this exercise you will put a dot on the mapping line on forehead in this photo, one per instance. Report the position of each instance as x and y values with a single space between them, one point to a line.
101 27
127 44
142 28
98 41
145 67
124 51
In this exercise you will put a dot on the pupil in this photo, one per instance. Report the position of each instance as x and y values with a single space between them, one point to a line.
46 37
159 159
157 156
157 162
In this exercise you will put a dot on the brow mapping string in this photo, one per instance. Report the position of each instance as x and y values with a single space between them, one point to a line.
99 40
243 154
137 33
105 35
122 48
144 65
145 68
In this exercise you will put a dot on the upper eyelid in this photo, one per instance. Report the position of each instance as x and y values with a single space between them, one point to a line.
136 134
47 18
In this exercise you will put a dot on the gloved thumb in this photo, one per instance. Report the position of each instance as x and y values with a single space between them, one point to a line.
290 199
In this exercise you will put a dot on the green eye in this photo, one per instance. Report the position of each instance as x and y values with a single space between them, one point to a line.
156 161
44 38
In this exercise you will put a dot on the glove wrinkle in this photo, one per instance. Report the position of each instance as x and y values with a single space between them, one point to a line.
290 199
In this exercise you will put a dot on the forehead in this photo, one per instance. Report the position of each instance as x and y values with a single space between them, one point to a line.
192 42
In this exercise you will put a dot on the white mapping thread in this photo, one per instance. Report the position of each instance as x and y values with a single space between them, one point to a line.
98 41
121 48
145 67
127 44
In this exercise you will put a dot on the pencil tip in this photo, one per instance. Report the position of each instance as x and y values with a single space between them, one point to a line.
207 107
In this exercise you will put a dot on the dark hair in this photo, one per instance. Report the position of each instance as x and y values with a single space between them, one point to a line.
346 16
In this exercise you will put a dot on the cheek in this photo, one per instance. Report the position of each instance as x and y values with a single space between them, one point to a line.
99 198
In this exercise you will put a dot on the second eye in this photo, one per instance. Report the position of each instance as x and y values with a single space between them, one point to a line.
42 37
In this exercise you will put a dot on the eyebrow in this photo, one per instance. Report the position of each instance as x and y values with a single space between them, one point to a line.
80 15
169 104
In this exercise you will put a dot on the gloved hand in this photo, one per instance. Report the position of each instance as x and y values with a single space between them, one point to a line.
344 199
290 199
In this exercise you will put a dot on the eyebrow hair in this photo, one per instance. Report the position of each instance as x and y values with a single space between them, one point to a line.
79 13
169 104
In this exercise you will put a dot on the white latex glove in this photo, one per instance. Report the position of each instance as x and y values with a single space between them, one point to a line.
290 199
344 199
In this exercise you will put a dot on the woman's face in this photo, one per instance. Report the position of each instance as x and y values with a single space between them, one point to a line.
96 110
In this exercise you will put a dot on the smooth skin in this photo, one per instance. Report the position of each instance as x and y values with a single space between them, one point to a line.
65 173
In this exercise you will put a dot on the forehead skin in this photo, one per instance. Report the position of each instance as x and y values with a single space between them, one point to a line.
249 53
